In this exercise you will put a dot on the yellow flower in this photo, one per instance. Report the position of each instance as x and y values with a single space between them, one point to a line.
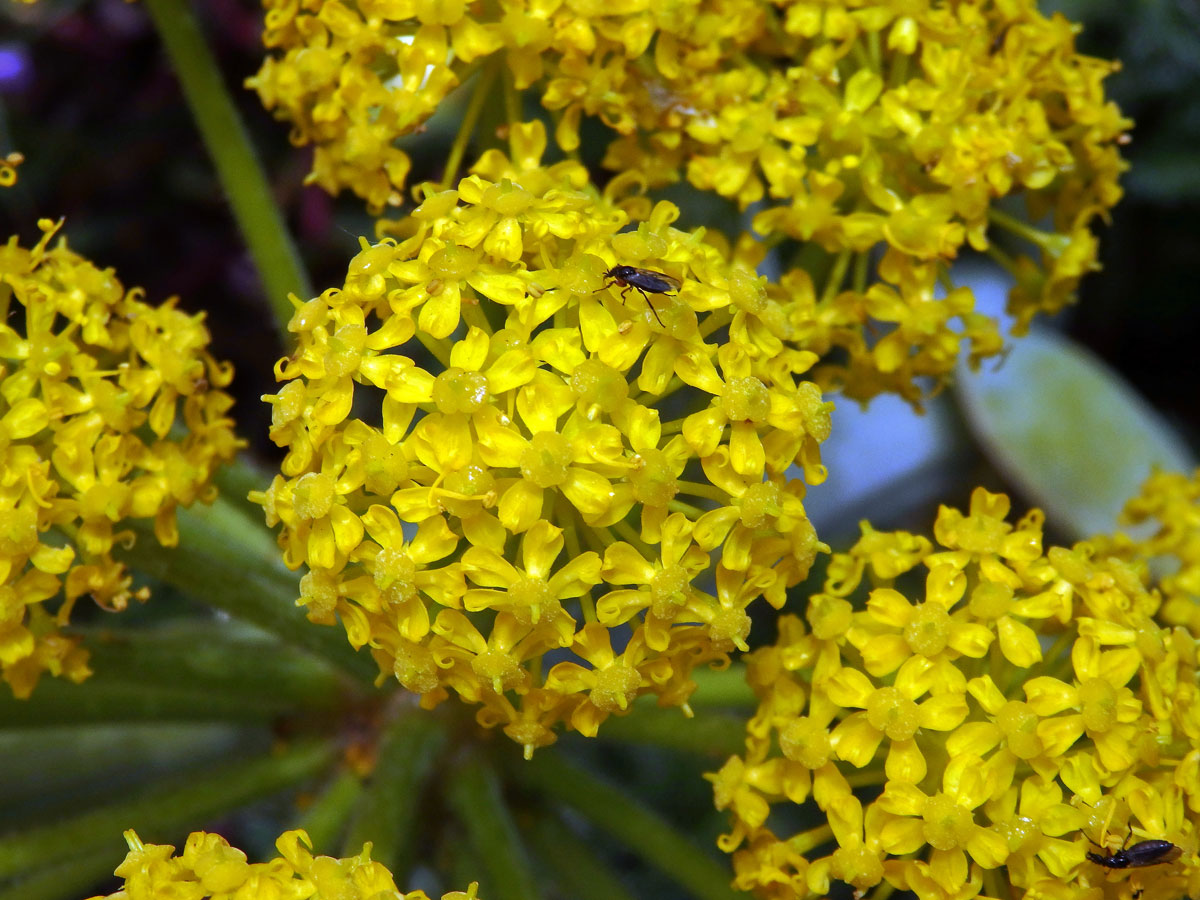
1171 501
92 383
881 135
1021 711
210 869
537 430
8 168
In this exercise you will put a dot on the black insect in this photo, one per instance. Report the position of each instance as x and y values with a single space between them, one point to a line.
1143 853
644 281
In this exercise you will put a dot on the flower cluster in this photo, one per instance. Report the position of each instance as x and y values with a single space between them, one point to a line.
1029 703
210 869
110 409
493 457
1171 501
880 135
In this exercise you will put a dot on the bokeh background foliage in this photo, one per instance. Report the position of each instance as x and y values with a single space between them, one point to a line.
90 98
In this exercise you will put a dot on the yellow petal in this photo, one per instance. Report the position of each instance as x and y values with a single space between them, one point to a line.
884 654
943 712
588 492
1048 695
849 688
440 314
889 607
471 352
905 762
855 740
1018 642
973 739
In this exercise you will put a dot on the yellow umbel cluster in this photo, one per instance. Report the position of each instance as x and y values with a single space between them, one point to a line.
1027 703
210 869
881 134
492 458
110 410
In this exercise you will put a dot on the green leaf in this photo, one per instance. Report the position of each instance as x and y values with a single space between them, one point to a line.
1067 431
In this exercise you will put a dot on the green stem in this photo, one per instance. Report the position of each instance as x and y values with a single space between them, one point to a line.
237 479
837 275
580 873
165 811
474 794
572 524
66 878
625 530
193 671
466 126
1002 259
238 168
55 770
688 509
701 489
227 560
1052 243
713 734
325 820
722 687
59 702
807 841
630 822
388 814
217 658
858 279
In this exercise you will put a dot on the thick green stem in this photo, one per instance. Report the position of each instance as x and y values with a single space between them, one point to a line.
475 796
635 825
165 811
187 672
219 658
466 129
56 770
580 873
66 878
722 687
325 820
711 734
238 168
228 560
237 479
389 812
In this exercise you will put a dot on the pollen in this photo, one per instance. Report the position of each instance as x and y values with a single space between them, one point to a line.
653 478
807 742
546 460
746 400
458 391
947 825
928 632
891 712
668 591
616 687
314 495
596 383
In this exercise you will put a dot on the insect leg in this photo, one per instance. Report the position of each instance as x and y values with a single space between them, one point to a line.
652 309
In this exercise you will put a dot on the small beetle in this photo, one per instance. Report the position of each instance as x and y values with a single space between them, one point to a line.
644 281
1143 853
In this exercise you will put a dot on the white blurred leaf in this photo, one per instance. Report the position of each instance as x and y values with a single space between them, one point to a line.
1067 431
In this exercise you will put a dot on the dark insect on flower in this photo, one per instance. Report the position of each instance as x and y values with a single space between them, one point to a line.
644 281
1143 853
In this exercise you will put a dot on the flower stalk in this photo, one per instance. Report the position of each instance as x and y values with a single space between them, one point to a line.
241 174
